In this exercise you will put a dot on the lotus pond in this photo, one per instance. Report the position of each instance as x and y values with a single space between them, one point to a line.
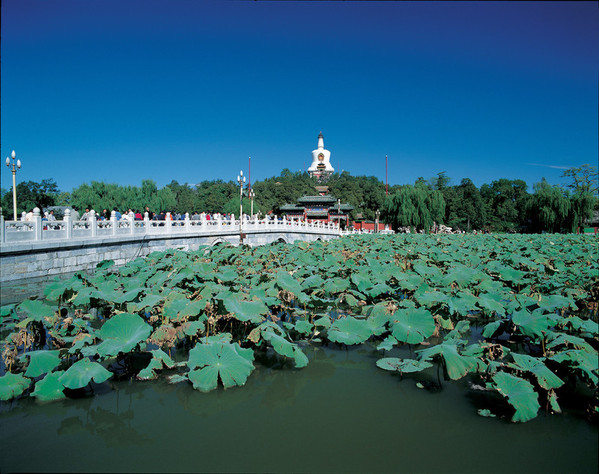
419 353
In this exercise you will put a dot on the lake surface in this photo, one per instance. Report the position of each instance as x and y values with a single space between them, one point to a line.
339 414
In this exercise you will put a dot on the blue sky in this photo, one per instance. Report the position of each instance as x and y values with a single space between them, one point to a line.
121 91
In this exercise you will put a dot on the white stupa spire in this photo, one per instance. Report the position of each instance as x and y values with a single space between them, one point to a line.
321 164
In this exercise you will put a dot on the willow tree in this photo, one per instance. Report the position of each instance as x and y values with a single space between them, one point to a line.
548 208
414 206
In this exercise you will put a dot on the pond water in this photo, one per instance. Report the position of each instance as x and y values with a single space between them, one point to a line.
339 414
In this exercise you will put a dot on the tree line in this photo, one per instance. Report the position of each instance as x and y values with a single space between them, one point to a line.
501 206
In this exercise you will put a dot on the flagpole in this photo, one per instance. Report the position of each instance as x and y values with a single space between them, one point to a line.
386 177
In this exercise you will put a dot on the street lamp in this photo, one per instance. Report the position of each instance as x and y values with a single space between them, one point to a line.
252 196
241 181
14 180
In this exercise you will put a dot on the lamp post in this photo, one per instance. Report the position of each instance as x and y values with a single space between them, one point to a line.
252 196
241 181
14 179
376 226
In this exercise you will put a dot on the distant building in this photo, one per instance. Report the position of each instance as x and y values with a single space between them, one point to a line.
320 207
321 161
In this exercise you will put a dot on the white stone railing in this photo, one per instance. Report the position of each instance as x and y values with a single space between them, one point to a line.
36 229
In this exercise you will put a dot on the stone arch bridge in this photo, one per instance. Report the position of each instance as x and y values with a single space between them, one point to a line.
38 248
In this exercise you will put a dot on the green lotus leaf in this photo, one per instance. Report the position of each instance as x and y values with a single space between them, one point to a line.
49 388
253 311
412 326
491 303
37 310
334 286
349 331
159 360
461 328
431 298
569 340
41 362
511 275
553 302
174 303
462 275
362 280
12 385
531 324
387 344
402 365
285 348
209 362
122 333
128 296
462 303
323 322
192 328
491 329
587 327
520 394
485 412
286 282
82 372
8 310
304 327
457 365
545 377
581 360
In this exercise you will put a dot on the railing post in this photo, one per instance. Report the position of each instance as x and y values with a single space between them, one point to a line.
2 234
132 222
37 220
168 223
93 223
23 216
68 225
187 223
146 223
115 223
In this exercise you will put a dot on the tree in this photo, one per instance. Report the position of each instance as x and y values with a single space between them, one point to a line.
32 194
505 204
413 206
548 208
583 179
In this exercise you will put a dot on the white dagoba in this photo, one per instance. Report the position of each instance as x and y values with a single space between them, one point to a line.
321 164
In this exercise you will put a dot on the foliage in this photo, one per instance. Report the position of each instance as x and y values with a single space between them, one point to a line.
222 310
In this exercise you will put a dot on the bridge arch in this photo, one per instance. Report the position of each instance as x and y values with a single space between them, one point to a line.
280 239
216 242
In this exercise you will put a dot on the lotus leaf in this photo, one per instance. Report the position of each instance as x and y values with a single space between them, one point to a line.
387 344
323 322
491 303
349 331
285 348
585 362
122 333
41 362
457 365
209 362
49 388
531 324
82 372
412 326
402 365
304 327
545 377
567 339
253 311
335 286
36 309
159 360
491 329
462 303
12 385
461 328
286 282
431 298
520 395
553 302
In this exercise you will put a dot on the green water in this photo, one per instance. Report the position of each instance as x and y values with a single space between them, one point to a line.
339 414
